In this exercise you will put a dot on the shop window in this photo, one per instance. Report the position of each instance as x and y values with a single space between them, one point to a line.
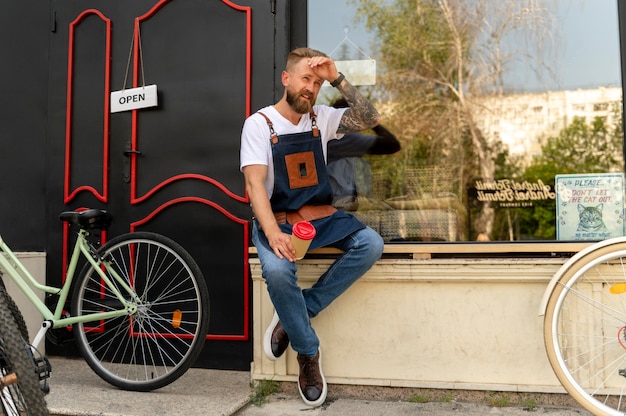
600 107
479 155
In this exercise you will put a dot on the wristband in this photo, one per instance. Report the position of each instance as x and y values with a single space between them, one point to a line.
336 82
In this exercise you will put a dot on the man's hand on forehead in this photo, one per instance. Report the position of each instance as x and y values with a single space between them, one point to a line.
324 67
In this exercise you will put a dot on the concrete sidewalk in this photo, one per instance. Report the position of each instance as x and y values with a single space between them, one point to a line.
75 390
343 407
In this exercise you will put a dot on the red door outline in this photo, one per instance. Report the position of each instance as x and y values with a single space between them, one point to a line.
103 195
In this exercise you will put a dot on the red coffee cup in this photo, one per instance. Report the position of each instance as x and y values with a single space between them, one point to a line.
302 234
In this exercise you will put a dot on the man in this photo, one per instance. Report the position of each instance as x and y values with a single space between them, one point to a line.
283 150
350 174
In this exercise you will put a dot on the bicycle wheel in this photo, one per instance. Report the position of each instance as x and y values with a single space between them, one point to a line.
15 311
162 339
20 392
585 328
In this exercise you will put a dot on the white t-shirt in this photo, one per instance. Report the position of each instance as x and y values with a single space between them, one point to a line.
255 135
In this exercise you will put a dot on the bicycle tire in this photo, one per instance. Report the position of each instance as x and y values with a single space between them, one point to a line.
15 311
23 397
163 338
585 329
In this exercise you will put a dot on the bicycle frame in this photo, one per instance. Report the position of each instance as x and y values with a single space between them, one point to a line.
15 269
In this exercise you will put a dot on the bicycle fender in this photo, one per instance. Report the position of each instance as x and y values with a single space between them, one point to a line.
569 263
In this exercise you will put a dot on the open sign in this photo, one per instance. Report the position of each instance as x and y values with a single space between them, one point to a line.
134 98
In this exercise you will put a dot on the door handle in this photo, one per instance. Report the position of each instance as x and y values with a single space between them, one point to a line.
128 152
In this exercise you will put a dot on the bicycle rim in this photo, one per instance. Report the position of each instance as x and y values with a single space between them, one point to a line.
23 397
161 340
585 330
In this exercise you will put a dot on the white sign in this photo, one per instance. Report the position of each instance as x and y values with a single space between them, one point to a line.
589 206
358 72
134 98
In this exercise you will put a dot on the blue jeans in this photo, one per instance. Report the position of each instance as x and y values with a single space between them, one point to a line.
296 306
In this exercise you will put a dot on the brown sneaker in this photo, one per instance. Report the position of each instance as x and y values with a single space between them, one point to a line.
275 341
311 382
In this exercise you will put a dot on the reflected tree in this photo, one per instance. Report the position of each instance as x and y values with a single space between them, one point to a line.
437 59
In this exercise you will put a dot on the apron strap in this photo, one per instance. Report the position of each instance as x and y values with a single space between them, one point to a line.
274 136
314 128
271 126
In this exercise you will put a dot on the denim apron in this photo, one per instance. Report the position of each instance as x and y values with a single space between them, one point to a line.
300 178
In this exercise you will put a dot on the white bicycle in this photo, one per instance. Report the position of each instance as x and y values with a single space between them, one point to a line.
585 326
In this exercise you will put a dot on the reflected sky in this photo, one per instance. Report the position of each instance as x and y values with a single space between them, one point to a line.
588 54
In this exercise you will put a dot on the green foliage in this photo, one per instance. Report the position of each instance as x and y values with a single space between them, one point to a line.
447 398
580 147
414 34
419 399
584 148
529 404
262 389
498 399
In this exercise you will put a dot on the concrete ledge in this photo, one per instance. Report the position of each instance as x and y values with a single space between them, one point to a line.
446 323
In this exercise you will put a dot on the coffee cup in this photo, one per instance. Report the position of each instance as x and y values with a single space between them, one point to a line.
302 234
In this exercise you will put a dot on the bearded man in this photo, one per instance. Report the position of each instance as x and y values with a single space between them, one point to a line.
283 160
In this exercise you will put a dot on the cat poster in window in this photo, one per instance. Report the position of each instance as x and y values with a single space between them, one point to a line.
589 206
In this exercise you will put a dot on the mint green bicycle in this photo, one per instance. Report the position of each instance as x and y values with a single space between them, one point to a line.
139 313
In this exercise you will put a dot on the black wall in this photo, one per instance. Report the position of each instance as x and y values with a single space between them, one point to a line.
24 30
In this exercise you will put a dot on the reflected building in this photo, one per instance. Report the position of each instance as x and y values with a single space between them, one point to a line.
524 121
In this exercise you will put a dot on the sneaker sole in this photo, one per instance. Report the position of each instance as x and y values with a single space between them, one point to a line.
322 397
267 338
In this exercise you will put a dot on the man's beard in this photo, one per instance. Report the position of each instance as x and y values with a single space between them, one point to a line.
298 105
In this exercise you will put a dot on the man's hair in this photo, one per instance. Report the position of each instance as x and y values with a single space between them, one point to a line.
300 53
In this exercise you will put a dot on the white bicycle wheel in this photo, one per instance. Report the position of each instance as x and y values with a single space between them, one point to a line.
585 329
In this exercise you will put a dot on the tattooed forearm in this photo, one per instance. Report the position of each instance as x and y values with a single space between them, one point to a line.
361 115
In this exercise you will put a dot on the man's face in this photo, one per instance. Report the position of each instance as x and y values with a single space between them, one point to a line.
302 87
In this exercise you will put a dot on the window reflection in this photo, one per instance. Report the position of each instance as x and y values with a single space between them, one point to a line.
482 146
